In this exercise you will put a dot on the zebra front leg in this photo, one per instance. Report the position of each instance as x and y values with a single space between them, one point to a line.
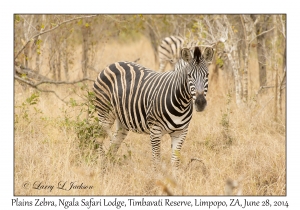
177 139
155 138
116 140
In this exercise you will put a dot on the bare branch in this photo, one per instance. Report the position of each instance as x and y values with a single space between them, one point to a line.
29 24
35 85
283 26
49 30
261 34
116 20
264 106
263 87
42 90
63 82
282 83
30 73
93 69
136 60
52 91
25 81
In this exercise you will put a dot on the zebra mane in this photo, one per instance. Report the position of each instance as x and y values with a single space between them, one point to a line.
197 54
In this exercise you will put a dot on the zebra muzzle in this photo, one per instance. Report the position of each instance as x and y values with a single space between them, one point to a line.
200 102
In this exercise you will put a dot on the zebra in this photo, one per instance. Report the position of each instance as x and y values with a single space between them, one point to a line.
142 100
169 51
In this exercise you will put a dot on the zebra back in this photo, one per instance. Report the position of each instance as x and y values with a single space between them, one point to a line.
169 50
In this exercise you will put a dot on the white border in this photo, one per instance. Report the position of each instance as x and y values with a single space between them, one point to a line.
150 7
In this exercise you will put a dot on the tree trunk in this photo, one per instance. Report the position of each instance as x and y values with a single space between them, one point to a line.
281 88
261 26
27 51
232 49
38 56
65 59
237 79
284 43
275 67
59 57
85 48
39 45
53 67
244 20
52 56
283 79
248 26
154 36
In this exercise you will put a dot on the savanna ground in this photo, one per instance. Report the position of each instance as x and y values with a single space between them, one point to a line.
244 145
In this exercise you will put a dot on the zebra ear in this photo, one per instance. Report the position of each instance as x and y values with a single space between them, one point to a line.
186 54
208 54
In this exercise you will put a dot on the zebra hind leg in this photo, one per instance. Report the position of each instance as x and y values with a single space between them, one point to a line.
116 140
106 129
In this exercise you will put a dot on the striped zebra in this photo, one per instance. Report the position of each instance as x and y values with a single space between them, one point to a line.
145 101
169 51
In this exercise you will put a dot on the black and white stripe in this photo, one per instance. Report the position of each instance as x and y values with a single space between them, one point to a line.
145 101
169 50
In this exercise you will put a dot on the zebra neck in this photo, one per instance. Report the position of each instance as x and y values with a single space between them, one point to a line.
181 89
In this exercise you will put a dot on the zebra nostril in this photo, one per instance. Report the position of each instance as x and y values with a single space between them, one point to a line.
200 102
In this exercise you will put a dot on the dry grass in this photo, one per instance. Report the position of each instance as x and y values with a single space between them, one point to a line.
244 145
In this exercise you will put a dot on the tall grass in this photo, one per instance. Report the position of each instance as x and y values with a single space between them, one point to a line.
223 143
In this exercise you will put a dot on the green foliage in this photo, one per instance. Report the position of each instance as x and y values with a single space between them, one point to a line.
38 46
219 62
86 124
129 27
220 49
17 18
23 110
33 99
79 22
24 76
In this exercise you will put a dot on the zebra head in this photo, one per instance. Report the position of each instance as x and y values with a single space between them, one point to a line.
197 74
